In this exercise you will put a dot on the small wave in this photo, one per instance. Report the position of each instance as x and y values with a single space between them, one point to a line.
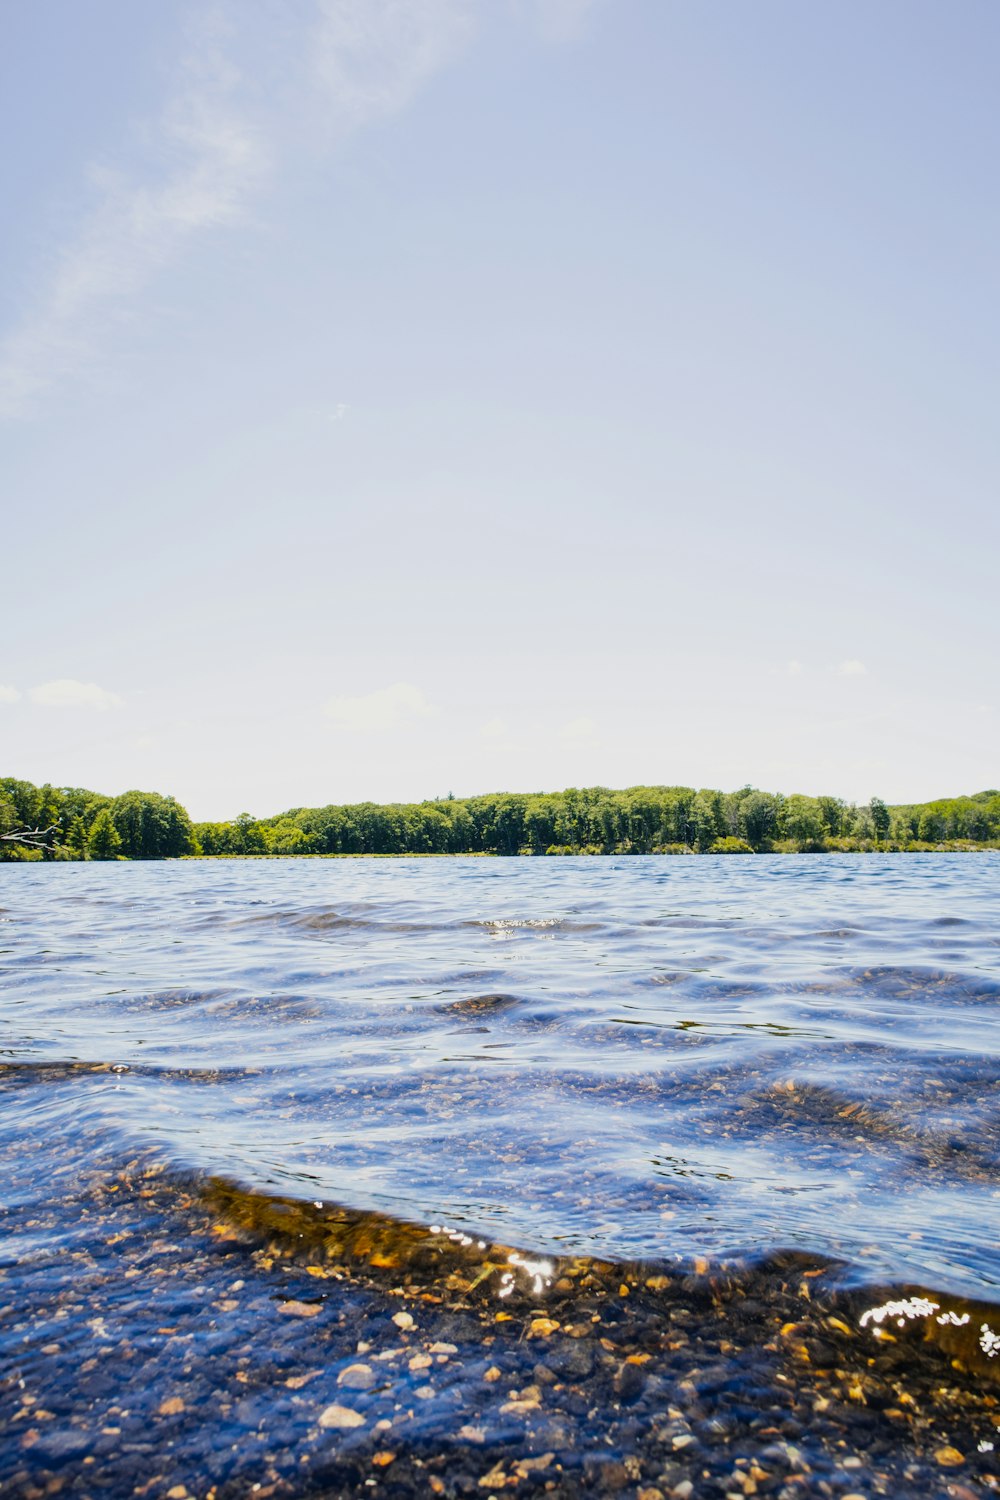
507 926
831 1113
456 1259
478 1005
343 919
920 983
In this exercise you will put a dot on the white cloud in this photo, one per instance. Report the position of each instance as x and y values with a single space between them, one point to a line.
209 161
578 729
66 692
8 694
386 708
372 56
214 147
495 729
851 669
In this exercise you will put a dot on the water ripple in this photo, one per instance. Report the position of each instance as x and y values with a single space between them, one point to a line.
626 1058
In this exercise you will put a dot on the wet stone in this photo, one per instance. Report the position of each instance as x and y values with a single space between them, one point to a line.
193 1339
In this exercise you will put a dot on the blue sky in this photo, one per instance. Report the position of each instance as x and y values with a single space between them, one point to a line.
404 396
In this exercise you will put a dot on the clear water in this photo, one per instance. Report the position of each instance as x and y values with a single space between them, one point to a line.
627 1058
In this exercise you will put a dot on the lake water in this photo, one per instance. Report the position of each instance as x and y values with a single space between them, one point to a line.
662 1061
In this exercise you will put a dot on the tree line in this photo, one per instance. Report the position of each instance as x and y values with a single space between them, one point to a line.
71 823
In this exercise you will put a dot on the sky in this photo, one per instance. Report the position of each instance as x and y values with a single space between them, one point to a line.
403 397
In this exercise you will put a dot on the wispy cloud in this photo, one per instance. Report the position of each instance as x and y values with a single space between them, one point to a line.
372 56
494 729
8 694
66 692
209 160
348 64
386 708
851 669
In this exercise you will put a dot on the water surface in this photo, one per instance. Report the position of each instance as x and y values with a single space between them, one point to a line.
646 1058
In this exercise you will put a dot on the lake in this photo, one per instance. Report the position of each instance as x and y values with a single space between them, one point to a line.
256 1115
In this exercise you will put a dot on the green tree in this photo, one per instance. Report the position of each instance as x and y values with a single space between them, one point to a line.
832 812
804 823
932 828
759 819
76 838
9 823
152 827
880 818
702 824
247 836
283 836
104 841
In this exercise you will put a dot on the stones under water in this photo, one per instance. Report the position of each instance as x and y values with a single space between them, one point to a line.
569 1176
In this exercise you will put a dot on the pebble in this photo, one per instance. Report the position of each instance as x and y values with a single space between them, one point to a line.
341 1416
949 1458
519 1407
541 1328
357 1378
526 1466
403 1320
295 1309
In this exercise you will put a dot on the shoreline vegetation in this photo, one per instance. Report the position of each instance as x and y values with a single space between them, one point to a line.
71 823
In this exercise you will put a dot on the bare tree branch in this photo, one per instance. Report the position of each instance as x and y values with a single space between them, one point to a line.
32 838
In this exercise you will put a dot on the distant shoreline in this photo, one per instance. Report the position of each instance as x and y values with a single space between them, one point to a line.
613 854
71 823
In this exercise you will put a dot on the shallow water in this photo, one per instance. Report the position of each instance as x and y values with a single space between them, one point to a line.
620 1057
665 1063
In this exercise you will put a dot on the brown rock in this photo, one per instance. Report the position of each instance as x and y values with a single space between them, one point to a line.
542 1328
341 1416
527 1466
295 1309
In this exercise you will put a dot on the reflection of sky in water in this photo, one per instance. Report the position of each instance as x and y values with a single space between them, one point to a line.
627 1057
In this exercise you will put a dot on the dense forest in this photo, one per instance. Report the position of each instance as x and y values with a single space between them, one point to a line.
46 822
